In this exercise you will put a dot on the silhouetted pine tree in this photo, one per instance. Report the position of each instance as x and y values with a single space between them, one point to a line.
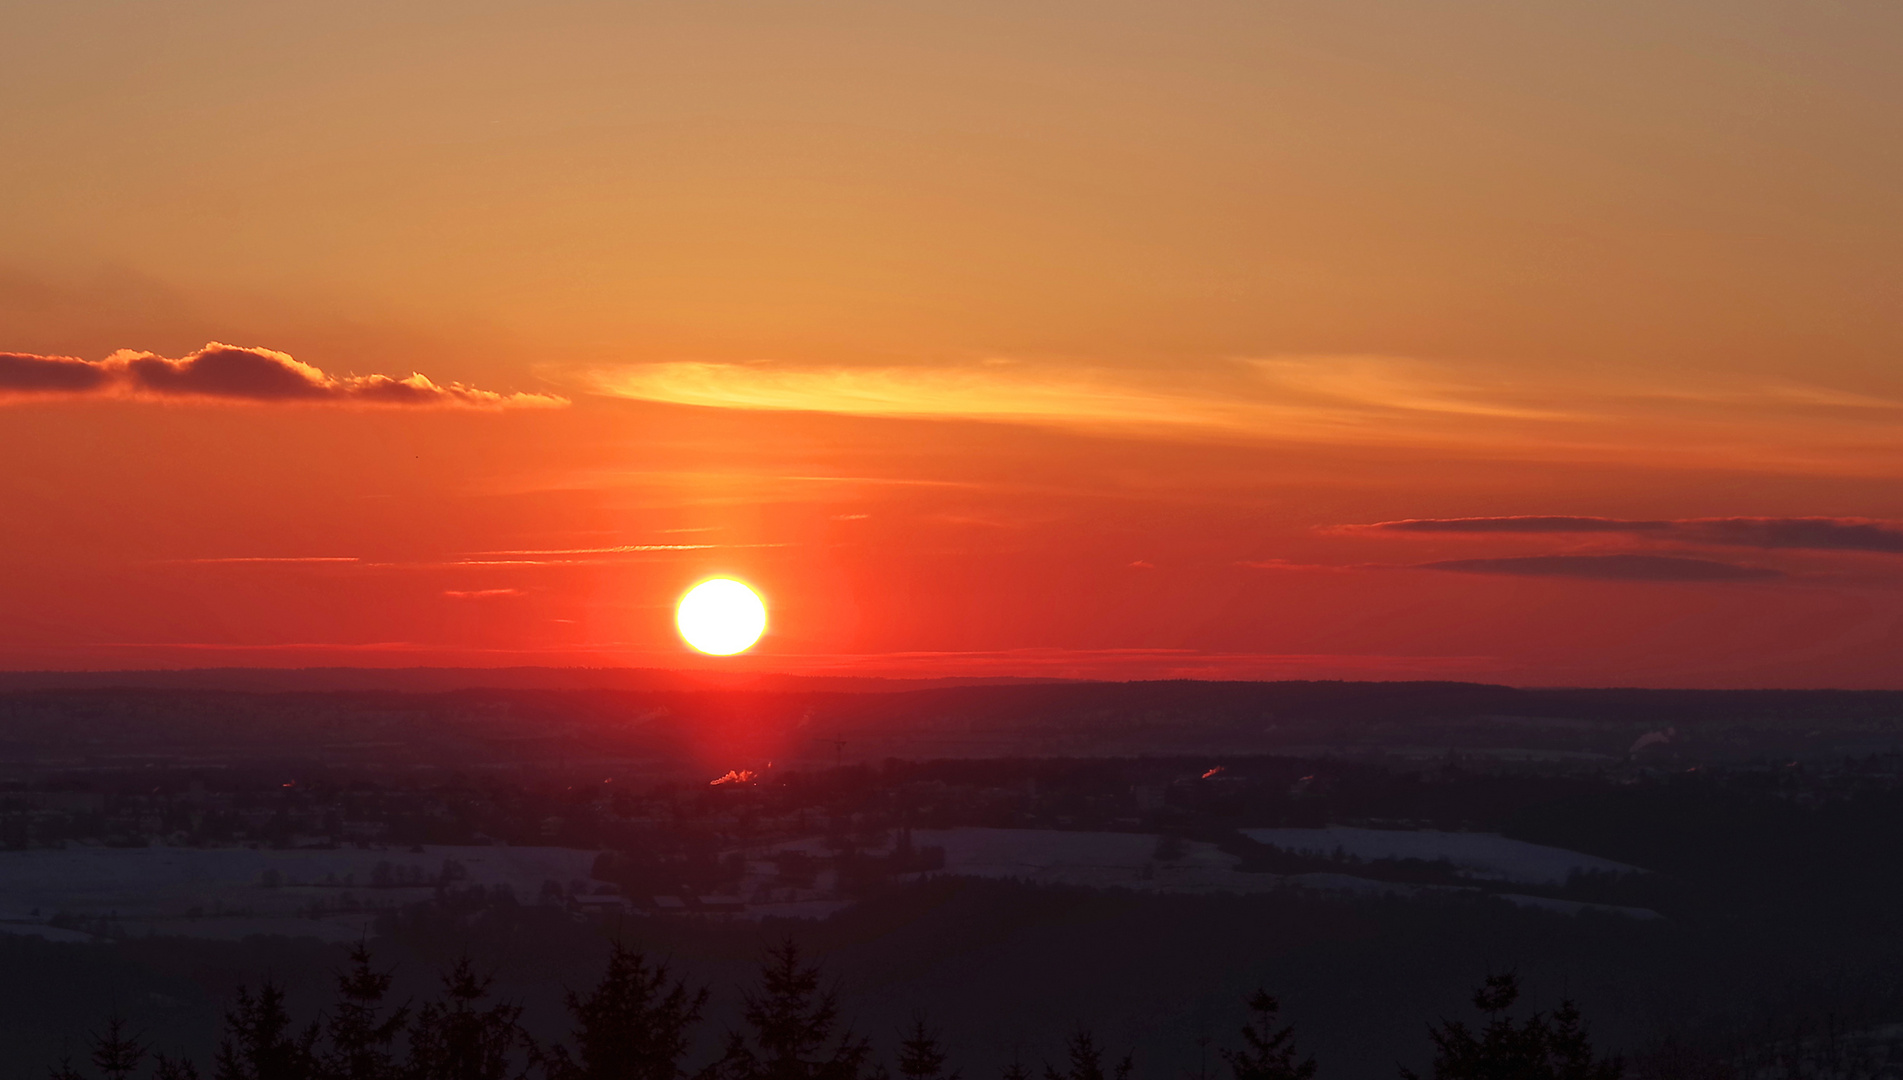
632 1026
1086 1061
453 1039
1015 1071
791 1024
1673 1059
174 1069
117 1053
1537 1048
360 1036
1269 1054
920 1055
259 1043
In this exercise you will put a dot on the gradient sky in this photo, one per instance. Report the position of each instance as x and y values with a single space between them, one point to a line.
1554 343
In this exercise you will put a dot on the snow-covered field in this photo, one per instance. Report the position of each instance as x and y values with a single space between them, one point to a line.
1096 860
235 892
1486 856
84 893
1134 861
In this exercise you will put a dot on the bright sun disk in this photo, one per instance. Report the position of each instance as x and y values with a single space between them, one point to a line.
721 616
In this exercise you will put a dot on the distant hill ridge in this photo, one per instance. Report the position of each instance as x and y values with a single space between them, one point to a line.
519 716
439 679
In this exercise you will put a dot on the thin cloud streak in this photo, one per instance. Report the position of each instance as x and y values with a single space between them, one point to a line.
1256 397
272 559
616 550
1007 392
1509 524
1768 533
215 646
620 549
501 562
1629 567
1286 565
1810 533
1141 663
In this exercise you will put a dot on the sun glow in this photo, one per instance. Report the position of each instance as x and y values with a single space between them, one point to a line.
721 616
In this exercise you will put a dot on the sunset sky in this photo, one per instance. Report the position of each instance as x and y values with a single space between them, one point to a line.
1540 343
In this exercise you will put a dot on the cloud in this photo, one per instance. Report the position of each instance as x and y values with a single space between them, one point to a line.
1813 533
1285 564
26 373
1257 398
1085 397
1516 524
276 559
231 373
1486 408
618 549
1798 533
1608 568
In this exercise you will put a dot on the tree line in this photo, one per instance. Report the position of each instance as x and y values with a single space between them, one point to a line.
638 1023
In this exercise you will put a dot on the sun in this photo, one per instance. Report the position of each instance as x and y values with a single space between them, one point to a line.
721 616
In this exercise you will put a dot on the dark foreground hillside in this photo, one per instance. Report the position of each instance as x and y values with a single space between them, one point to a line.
1008 972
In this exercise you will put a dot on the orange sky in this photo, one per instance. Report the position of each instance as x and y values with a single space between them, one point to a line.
1029 338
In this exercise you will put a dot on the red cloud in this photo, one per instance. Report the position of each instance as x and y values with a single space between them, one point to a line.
230 373
29 374
1608 568
1802 533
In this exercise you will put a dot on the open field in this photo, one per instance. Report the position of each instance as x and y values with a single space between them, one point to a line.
1484 856
86 892
91 892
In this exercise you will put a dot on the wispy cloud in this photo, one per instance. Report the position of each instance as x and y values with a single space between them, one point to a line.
1510 524
1812 533
1070 396
1632 567
1140 663
1332 399
617 549
1258 397
1796 533
233 373
275 559
548 556
1394 385
1291 566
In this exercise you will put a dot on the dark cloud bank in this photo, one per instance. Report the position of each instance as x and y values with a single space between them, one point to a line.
1609 568
231 373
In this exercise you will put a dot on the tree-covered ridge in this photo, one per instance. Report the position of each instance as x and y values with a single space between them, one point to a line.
638 1023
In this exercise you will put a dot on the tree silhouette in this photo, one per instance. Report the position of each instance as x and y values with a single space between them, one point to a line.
454 1039
1086 1061
360 1036
117 1053
1269 1054
920 1055
167 1068
791 1024
259 1042
1537 1048
632 1026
